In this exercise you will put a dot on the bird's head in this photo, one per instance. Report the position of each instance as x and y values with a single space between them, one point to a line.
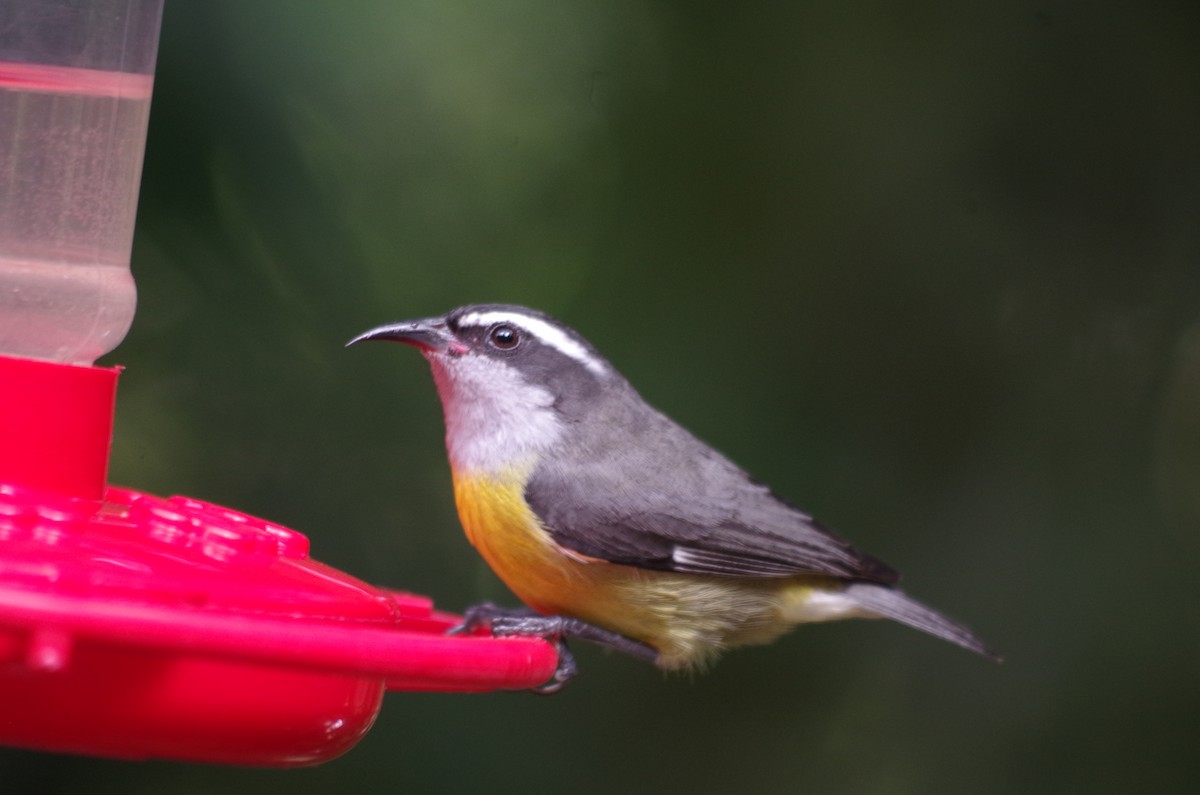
510 379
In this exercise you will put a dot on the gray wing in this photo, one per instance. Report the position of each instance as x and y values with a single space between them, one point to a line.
678 505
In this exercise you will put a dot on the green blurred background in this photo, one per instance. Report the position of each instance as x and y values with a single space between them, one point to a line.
931 270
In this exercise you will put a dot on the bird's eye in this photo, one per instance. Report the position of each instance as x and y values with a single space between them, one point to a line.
504 338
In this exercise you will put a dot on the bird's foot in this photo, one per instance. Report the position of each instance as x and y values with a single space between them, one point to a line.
485 614
523 622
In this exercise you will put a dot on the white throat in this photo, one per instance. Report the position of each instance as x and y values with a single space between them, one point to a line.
494 419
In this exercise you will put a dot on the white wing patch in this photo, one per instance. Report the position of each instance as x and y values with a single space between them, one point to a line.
546 333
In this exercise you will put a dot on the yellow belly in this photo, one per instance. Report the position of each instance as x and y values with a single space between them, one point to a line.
502 528
689 618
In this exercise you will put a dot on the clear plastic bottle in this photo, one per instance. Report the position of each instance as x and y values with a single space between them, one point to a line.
75 82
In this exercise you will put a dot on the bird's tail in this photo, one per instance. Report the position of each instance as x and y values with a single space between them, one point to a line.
890 603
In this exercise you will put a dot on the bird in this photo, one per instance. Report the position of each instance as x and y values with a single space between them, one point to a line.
614 524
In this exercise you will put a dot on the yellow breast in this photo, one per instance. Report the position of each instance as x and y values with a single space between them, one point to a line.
549 578
687 617
501 526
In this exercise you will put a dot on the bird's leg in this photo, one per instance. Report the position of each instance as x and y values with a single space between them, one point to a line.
524 622
483 614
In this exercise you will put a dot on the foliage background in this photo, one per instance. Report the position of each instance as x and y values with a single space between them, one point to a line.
931 270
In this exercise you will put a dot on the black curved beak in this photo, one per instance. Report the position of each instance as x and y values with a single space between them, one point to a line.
430 334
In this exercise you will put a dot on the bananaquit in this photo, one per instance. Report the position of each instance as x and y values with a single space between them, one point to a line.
613 523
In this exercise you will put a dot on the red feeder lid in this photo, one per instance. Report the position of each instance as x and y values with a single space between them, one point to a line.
135 626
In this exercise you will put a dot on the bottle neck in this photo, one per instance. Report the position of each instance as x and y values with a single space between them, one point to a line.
56 425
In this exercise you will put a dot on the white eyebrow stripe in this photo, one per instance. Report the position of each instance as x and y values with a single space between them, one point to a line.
550 335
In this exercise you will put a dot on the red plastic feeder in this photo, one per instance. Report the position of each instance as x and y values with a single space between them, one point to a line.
134 626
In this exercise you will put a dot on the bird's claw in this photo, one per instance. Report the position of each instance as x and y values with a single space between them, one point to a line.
522 622
563 672
484 615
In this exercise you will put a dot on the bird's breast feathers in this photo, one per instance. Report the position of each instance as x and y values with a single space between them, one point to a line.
687 617
505 531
